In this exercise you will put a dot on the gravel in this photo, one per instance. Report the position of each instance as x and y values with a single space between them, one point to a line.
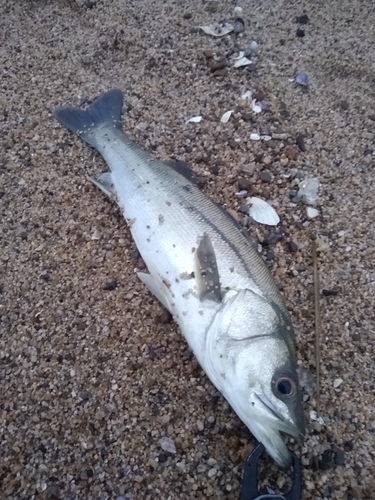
84 404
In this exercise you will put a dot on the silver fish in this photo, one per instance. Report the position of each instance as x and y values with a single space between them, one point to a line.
207 272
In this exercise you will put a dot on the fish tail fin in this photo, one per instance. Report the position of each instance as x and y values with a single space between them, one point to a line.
103 113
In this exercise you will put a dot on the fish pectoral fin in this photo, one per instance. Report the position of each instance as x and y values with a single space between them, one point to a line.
159 289
104 183
207 273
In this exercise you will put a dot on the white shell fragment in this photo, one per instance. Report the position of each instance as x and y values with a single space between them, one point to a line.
308 191
337 382
241 61
226 116
314 416
217 29
311 213
255 137
194 119
262 212
256 107
167 444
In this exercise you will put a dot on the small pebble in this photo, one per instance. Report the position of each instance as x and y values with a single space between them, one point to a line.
243 184
208 54
221 72
344 105
312 213
111 285
239 26
265 176
304 19
200 426
300 141
290 153
339 457
167 444
300 33
212 472
302 79
293 247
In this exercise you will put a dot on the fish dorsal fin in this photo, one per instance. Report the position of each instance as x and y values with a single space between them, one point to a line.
207 273
182 168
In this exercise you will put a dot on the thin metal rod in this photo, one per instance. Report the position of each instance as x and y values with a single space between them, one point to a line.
317 326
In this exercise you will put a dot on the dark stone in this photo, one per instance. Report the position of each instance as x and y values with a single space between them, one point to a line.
300 141
339 457
42 448
247 117
162 458
221 72
293 247
89 472
243 184
329 293
85 395
259 95
348 446
111 285
300 33
90 5
304 19
187 15
265 176
327 460
367 152
215 170
218 65
344 105
250 68
356 337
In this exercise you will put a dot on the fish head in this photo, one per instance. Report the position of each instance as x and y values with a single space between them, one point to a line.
251 358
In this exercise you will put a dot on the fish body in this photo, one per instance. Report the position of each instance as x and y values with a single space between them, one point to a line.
207 272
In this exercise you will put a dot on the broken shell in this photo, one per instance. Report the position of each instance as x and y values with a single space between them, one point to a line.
241 61
194 119
262 212
255 107
217 29
226 116
308 191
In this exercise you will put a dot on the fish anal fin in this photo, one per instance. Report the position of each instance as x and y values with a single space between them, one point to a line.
207 273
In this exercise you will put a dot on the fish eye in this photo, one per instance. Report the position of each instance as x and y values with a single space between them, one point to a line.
284 387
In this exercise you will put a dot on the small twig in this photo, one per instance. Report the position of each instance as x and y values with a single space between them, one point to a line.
317 326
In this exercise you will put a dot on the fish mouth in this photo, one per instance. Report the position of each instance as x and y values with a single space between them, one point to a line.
277 422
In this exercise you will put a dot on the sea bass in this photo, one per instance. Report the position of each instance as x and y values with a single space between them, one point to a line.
208 273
